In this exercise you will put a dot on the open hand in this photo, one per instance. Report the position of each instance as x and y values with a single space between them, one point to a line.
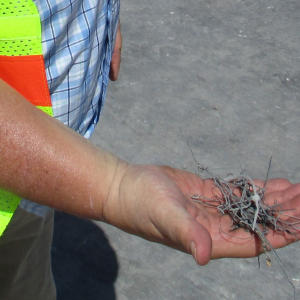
155 203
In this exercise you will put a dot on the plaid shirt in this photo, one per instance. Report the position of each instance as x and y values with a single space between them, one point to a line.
77 40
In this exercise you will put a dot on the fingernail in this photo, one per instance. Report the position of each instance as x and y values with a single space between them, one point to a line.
194 251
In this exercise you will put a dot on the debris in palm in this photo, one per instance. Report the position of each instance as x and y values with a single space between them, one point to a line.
244 202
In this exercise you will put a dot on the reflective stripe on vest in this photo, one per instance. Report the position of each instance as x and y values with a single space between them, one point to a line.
22 67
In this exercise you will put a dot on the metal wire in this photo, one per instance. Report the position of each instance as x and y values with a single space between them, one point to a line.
244 202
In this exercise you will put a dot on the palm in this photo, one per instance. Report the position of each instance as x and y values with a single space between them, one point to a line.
237 243
155 203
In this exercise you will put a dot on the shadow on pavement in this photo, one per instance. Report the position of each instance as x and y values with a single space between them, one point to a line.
84 264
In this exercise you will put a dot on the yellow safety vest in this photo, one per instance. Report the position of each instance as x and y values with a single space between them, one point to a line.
22 67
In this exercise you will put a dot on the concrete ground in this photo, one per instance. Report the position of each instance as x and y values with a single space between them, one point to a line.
221 78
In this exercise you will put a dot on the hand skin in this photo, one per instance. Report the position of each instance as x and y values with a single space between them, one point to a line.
46 162
155 202
116 56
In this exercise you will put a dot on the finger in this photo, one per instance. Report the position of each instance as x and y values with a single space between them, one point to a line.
290 201
276 191
292 192
281 239
274 184
186 234
284 196
277 184
115 65
197 241
116 56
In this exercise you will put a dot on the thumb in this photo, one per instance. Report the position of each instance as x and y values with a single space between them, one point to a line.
199 242
194 238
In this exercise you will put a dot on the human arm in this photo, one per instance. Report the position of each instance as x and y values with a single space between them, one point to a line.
46 162
43 160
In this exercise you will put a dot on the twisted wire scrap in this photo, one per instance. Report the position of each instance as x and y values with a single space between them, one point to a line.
244 202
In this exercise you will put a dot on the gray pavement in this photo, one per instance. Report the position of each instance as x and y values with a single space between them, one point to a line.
222 78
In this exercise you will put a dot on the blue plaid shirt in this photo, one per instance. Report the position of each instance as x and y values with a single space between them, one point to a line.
77 39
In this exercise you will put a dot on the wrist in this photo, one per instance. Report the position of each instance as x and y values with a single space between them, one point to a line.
113 193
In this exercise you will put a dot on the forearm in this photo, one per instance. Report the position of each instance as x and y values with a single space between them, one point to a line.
46 162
